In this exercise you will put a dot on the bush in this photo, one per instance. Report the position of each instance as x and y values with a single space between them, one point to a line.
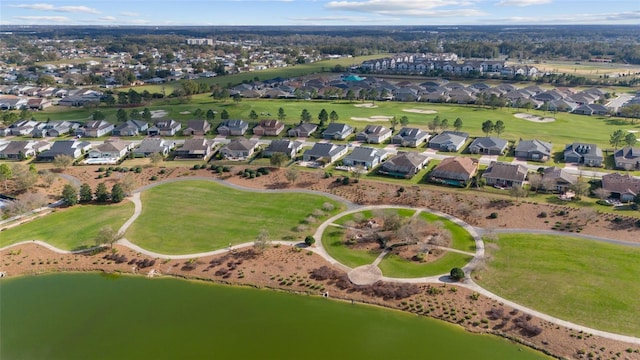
153 178
493 215
101 169
163 171
603 203
327 174
138 170
637 223
542 214
196 167
345 180
457 274
309 240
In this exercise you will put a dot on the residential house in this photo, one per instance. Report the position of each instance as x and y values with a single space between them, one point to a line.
303 130
580 153
505 174
405 164
164 128
150 146
72 148
55 129
410 137
448 141
130 128
268 128
374 134
325 153
535 150
456 171
197 127
233 128
624 187
24 127
337 131
38 104
488 146
198 148
287 147
239 149
557 179
627 158
95 128
109 152
591 109
20 150
366 157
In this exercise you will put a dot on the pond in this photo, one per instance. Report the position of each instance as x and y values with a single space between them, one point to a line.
96 316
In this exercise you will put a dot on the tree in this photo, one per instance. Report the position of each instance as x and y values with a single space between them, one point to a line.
394 121
211 115
262 241
48 177
333 116
106 235
24 177
444 124
62 161
602 193
253 115
102 195
292 175
134 114
69 195
278 158
487 127
146 114
581 187
5 174
121 115
630 139
281 114
224 115
435 123
404 120
351 95
156 158
616 138
323 116
517 191
535 181
86 195
305 116
457 274
309 240
128 184
97 115
457 124
499 127
117 194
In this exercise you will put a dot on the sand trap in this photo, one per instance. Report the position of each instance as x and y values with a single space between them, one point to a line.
158 114
420 111
367 105
376 118
632 131
533 118
185 112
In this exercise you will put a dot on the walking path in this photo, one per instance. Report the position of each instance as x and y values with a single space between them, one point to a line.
371 271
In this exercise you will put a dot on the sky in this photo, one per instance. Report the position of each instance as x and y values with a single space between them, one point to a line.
319 12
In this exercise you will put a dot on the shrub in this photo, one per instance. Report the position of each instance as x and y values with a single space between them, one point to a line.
345 180
138 170
603 203
163 171
637 223
101 169
327 174
153 178
542 214
328 206
457 274
309 240
618 220
493 215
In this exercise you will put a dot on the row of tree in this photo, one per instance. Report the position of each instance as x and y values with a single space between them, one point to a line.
72 196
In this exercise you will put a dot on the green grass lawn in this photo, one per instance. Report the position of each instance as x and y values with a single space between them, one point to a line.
197 216
460 238
395 266
72 228
333 243
586 282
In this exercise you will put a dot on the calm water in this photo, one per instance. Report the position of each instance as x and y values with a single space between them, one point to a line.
92 316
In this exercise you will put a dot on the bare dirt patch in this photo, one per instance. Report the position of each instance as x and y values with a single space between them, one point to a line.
420 111
534 118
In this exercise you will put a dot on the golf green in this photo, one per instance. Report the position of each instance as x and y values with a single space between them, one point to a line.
92 316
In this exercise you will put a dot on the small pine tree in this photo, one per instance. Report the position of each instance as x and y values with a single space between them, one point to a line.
69 195
86 195
117 194
102 195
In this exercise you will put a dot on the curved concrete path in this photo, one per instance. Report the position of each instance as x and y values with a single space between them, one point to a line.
319 249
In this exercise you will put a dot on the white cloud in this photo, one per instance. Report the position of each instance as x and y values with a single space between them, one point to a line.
129 13
522 3
43 19
418 8
628 17
107 18
51 7
342 19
